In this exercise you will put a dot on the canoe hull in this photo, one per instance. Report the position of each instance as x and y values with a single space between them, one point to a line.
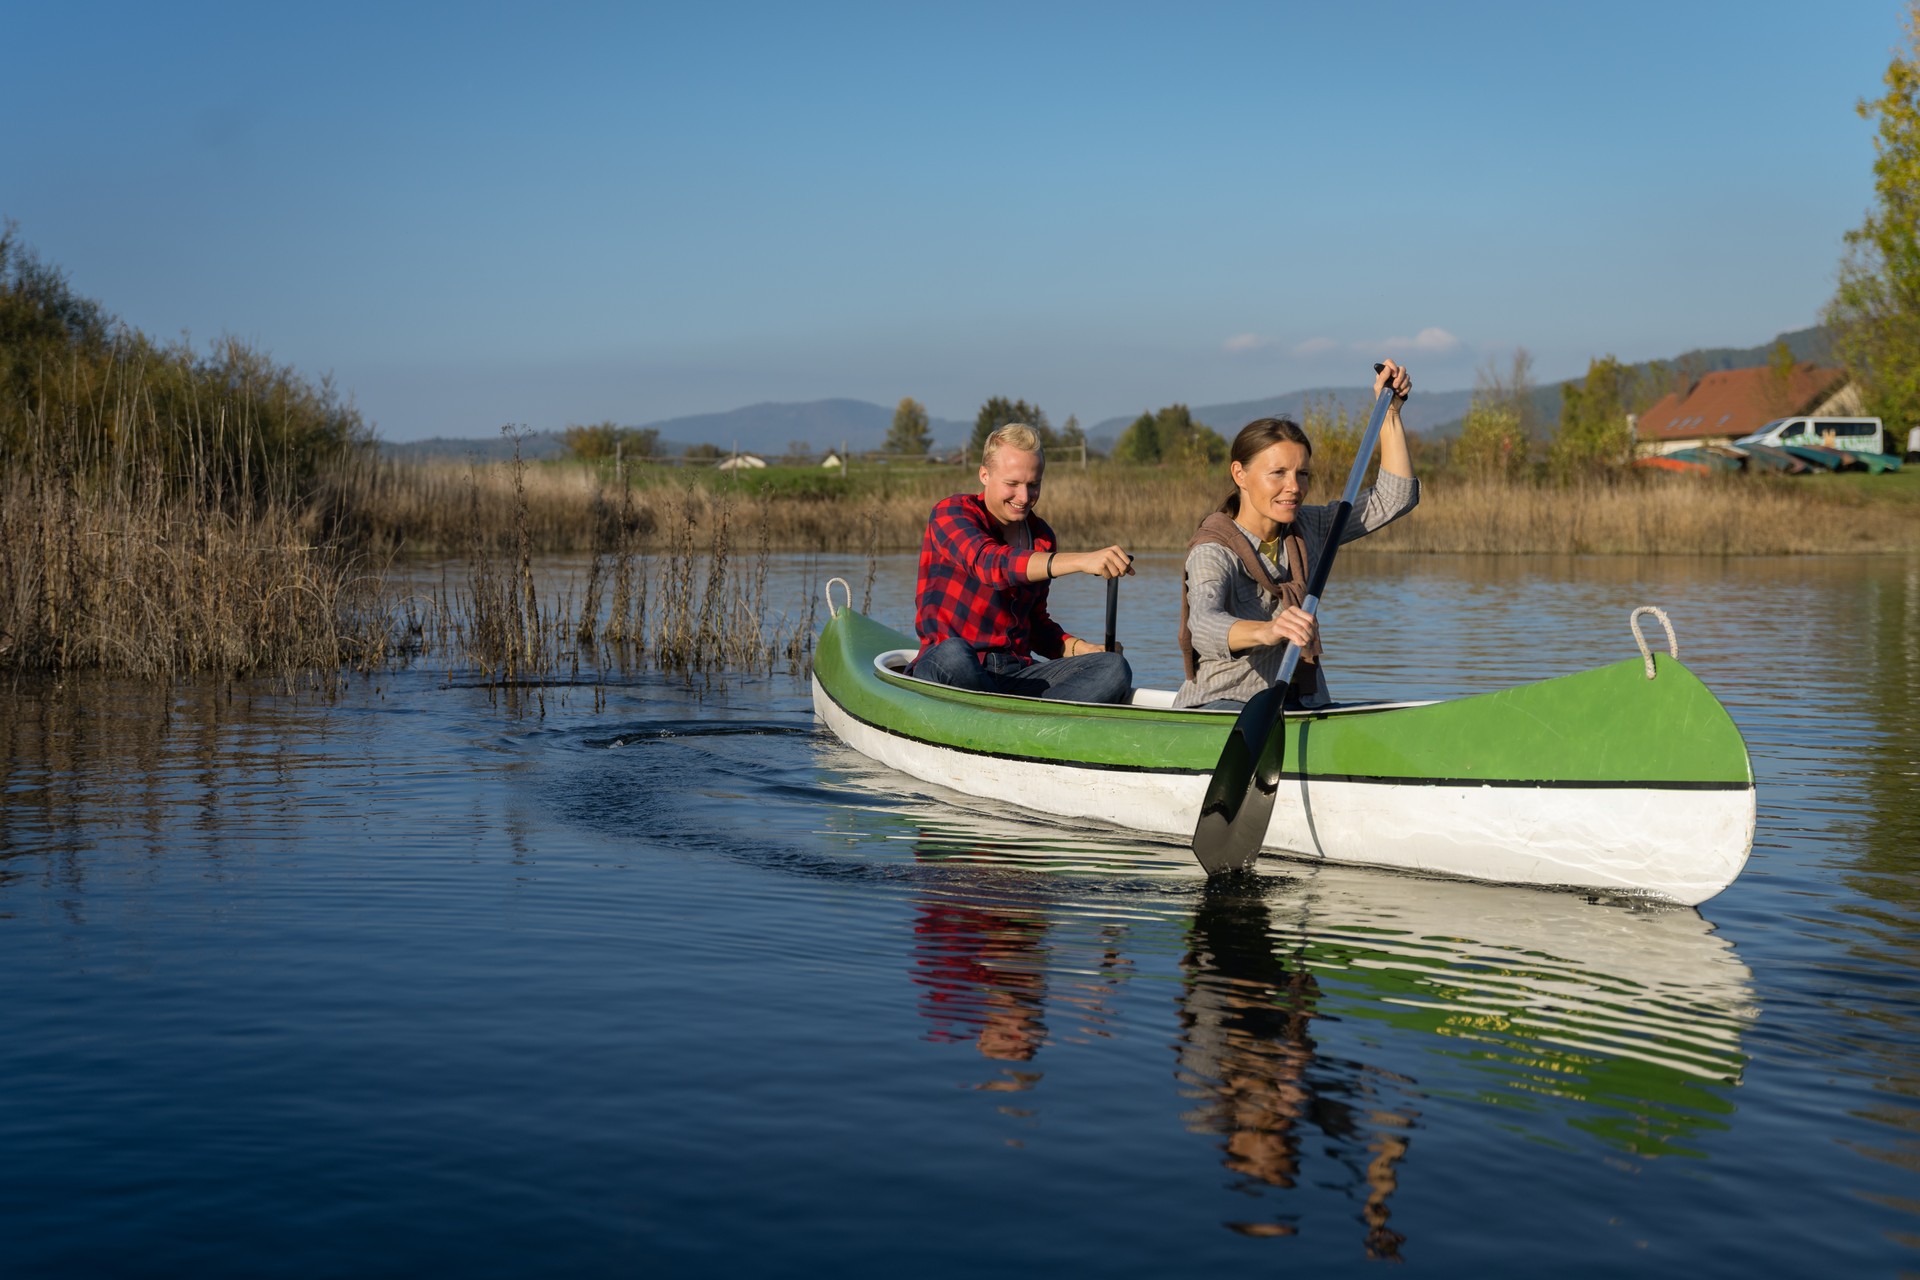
1679 839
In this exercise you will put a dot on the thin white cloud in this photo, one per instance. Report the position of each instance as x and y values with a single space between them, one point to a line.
1429 341
1432 340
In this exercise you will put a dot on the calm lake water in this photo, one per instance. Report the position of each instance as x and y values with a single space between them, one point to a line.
658 979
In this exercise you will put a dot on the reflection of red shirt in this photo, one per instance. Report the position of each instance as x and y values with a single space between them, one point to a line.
973 585
968 961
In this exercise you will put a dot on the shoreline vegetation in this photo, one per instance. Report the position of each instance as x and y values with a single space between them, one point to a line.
113 570
429 508
166 511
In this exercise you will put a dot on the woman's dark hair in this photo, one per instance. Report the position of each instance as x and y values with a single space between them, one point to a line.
1255 438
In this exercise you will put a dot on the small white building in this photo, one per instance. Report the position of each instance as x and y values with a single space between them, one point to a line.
832 462
741 462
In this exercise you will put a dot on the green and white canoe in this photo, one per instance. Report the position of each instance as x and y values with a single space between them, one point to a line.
1603 780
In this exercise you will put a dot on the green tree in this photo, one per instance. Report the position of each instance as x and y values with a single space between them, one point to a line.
1169 435
998 411
606 439
704 452
1139 444
1875 311
909 434
1593 435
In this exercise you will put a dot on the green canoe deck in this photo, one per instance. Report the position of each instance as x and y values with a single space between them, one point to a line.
1608 727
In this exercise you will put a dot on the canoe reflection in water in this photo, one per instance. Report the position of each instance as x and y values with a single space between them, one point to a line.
1327 1018
1248 1061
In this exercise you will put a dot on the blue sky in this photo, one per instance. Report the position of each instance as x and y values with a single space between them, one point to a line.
474 215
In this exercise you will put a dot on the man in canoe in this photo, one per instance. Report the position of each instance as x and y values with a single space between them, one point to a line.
985 566
1247 565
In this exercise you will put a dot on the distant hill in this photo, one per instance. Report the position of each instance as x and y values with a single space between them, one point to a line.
824 424
1422 413
1814 344
1438 414
759 428
769 428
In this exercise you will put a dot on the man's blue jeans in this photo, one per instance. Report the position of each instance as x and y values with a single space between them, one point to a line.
1091 677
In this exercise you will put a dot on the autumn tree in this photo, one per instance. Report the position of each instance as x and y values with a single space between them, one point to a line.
1875 312
1593 435
1497 436
998 411
909 434
1779 387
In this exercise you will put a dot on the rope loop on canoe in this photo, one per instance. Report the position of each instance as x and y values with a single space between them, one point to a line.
848 588
1633 621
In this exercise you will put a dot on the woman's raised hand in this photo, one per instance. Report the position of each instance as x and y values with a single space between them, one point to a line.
1392 372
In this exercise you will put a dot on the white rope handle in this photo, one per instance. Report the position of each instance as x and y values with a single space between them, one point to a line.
844 586
1646 655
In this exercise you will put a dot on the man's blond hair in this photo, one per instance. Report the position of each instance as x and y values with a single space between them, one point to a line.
1015 435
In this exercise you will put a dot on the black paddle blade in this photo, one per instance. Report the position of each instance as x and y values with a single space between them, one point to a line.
1239 802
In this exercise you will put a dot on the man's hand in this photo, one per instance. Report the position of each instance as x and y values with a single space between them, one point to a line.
1110 563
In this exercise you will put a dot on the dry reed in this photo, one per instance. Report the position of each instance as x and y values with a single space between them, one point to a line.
712 616
150 585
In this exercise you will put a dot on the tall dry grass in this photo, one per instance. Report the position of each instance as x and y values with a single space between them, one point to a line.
1649 515
140 582
122 569
696 607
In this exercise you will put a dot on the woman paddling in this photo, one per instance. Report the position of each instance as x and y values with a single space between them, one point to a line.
1247 565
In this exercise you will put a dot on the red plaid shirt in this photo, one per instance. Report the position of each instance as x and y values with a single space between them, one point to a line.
974 586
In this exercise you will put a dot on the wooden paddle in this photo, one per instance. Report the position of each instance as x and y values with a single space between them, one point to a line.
1239 801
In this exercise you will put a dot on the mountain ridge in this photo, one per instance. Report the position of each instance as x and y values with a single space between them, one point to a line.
770 427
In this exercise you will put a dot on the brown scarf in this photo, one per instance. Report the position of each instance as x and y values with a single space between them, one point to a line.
1220 530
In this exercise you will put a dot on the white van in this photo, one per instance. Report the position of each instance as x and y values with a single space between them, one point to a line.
1856 435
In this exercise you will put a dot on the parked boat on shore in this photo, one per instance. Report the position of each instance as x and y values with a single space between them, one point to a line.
1611 780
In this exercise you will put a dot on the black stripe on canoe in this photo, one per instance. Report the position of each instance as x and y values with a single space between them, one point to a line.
1371 779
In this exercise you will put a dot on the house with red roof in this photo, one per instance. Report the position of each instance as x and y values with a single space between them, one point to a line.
1721 407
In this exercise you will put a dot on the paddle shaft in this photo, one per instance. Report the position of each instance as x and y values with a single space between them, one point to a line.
1342 511
1113 609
